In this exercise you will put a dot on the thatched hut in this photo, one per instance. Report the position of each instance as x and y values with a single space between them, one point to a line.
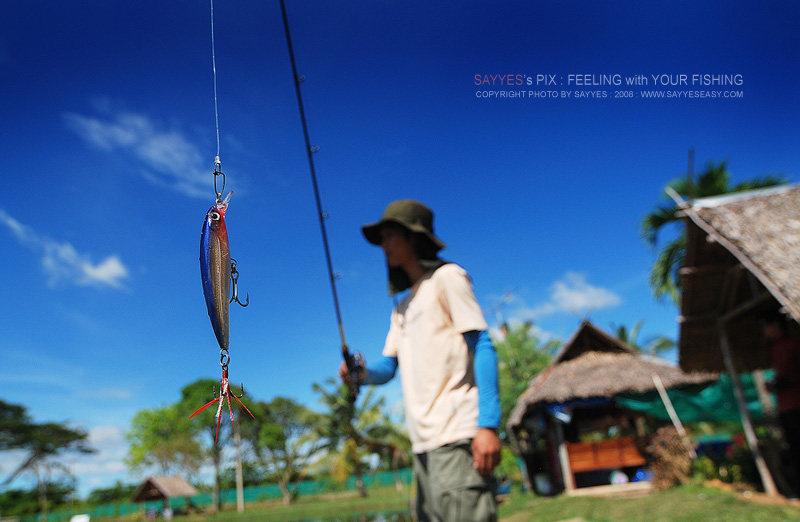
742 256
163 488
573 397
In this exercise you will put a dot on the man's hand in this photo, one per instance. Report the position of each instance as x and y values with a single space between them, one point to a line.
360 371
486 450
344 373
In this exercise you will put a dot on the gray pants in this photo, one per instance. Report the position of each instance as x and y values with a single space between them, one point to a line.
450 489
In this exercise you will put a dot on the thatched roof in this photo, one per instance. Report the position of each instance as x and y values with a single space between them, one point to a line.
742 255
594 364
158 488
589 338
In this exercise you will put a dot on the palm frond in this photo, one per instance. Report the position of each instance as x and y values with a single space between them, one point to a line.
664 275
759 183
652 223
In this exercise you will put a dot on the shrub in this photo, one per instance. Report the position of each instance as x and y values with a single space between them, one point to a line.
667 458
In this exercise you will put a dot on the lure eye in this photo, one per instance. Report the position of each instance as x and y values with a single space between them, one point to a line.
214 216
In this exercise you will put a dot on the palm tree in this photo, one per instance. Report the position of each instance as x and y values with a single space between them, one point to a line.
652 346
715 180
352 430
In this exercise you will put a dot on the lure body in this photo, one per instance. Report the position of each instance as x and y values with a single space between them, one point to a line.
215 270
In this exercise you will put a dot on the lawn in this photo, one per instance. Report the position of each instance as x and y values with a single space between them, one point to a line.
335 506
691 503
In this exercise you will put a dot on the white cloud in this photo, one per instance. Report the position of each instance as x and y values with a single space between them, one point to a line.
168 157
61 262
103 468
573 294
109 271
107 438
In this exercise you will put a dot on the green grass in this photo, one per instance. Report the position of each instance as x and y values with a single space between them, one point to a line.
681 504
323 507
691 503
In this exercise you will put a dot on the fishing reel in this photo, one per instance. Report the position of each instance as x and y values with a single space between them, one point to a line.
357 367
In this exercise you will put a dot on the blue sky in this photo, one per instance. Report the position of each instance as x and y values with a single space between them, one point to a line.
109 142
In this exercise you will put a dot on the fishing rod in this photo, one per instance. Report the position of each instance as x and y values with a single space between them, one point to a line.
354 361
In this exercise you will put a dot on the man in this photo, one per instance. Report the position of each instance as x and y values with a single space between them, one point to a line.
785 352
448 369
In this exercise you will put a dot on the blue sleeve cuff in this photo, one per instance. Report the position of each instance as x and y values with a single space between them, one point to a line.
486 379
382 371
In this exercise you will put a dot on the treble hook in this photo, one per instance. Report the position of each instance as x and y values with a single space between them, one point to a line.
225 394
216 397
235 285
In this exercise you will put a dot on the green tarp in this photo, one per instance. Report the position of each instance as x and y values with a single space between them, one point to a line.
713 402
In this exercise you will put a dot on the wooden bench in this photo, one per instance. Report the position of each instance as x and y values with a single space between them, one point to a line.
606 454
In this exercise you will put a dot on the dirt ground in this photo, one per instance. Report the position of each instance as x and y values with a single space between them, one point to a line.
746 493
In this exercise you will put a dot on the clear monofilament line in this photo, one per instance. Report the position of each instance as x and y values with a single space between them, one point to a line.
214 69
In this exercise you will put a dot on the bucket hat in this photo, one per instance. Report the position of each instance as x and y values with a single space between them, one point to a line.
407 213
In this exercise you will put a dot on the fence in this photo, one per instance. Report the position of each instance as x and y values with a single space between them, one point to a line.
228 496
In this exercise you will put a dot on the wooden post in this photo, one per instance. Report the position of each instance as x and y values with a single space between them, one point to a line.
747 424
673 415
763 395
237 438
563 458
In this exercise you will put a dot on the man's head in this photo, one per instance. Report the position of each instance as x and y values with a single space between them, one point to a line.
405 230
411 216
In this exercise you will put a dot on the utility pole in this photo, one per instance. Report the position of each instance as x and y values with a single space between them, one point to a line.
690 174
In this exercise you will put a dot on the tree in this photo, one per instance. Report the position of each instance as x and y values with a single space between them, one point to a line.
119 492
715 180
15 426
44 444
162 438
253 474
380 435
351 430
167 439
520 356
283 441
204 426
15 503
653 346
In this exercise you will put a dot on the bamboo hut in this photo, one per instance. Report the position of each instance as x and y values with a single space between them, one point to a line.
574 396
742 256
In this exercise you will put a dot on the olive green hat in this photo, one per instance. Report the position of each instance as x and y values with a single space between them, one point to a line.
408 213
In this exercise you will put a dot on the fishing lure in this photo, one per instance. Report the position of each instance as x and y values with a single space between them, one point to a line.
219 274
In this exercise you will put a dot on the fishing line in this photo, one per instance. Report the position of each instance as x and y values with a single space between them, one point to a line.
216 106
218 272
353 361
